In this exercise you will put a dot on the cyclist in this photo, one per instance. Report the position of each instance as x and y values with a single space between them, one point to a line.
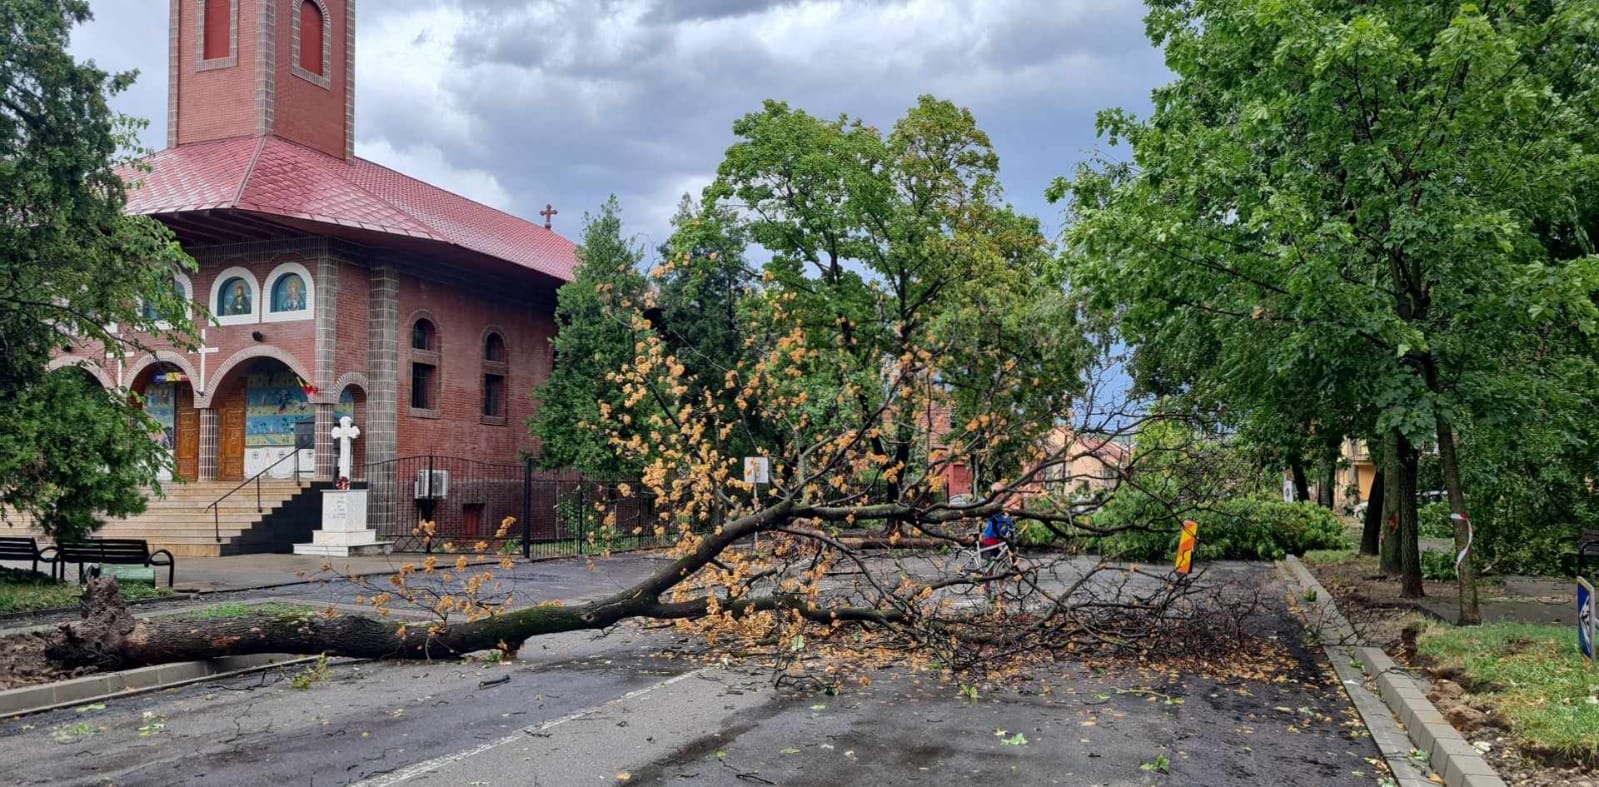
998 530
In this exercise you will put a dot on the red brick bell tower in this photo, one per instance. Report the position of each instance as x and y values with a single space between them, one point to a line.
263 67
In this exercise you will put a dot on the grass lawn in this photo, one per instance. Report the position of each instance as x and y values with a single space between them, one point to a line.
1532 675
236 610
25 591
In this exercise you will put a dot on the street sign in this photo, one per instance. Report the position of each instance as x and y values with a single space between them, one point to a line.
757 470
1185 547
1586 618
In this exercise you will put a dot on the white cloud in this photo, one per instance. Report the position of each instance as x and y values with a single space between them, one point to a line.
522 102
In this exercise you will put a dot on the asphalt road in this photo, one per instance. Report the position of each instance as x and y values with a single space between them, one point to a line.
580 710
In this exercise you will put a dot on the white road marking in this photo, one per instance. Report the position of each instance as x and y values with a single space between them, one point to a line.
428 766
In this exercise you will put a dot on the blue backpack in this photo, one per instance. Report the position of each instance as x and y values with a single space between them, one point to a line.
1000 525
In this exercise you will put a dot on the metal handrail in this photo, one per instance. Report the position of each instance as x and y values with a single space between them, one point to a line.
216 511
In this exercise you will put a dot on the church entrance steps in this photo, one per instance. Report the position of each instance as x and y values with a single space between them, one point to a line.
182 522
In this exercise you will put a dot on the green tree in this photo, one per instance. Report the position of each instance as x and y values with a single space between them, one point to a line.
596 338
1367 193
897 252
77 273
705 284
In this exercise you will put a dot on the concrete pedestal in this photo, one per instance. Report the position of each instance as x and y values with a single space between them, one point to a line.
344 530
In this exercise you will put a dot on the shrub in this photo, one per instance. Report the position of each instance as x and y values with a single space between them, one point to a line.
1438 566
1434 521
1236 529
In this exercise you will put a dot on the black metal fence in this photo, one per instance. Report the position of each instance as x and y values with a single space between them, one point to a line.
467 501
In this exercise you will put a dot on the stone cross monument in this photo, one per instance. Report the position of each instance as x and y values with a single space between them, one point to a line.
345 433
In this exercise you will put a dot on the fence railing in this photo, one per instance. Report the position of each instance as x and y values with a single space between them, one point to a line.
467 501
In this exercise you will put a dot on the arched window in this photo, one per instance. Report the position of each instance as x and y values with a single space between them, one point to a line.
312 35
496 369
235 297
290 294
218 27
183 289
424 367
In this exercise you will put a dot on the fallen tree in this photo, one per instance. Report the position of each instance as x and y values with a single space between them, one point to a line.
867 396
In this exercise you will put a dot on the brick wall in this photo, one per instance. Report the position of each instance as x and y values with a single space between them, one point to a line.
463 319
256 90
307 112
215 100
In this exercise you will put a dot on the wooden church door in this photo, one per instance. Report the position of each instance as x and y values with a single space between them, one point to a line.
230 439
188 435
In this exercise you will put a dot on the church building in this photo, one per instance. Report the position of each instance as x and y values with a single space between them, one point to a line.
336 286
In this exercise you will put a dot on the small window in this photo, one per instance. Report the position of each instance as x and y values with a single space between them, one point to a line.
424 384
425 368
311 38
494 349
496 369
423 335
217 31
493 396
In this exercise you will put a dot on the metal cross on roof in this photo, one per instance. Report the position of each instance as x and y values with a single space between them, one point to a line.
548 212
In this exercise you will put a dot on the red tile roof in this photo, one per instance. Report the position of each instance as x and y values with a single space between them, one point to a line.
272 176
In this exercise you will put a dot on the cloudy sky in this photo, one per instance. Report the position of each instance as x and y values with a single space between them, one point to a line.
521 102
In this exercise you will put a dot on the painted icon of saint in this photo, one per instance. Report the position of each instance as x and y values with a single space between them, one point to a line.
288 295
235 298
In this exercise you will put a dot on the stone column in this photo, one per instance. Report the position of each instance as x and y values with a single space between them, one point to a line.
208 444
382 405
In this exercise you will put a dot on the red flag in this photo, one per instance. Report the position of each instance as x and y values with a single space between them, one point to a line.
310 390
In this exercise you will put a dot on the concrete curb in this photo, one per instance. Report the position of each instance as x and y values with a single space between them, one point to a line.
93 688
1450 755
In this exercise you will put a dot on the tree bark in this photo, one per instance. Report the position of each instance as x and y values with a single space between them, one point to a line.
1329 479
1388 552
1371 531
1296 466
1449 463
1409 525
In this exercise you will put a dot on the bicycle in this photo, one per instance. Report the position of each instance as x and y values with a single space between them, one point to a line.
992 561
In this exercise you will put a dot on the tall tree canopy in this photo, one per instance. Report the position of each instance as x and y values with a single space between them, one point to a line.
1375 203
595 339
76 273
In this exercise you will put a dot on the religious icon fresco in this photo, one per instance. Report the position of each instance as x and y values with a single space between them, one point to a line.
235 298
160 404
288 294
274 403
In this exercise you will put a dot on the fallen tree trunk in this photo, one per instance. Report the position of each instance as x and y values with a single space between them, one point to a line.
109 637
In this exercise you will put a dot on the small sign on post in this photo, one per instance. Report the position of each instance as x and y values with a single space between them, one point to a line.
1587 621
1185 547
757 470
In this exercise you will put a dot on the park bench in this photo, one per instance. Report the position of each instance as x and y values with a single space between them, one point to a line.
113 551
13 548
1587 549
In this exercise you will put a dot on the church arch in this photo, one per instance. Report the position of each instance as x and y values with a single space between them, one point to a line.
289 294
349 379
235 297
161 357
93 369
220 376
